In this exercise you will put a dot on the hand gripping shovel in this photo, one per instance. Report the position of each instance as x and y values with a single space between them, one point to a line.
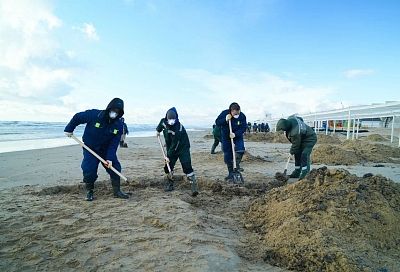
170 174
237 176
99 158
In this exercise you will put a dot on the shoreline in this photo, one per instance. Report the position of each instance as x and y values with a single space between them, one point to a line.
61 141
61 165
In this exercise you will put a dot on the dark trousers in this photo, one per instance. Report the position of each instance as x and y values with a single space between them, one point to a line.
90 165
215 144
227 149
184 158
302 158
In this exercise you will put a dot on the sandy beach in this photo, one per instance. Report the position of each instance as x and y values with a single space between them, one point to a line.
45 224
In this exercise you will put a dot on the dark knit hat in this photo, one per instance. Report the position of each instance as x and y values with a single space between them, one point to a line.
171 114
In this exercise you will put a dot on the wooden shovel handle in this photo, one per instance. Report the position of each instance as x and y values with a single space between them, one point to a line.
163 152
98 157
287 163
233 144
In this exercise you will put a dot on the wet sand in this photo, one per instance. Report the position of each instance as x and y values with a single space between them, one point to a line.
46 225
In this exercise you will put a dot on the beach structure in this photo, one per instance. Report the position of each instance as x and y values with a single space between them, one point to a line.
350 119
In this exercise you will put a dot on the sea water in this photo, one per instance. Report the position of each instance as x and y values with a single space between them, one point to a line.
25 135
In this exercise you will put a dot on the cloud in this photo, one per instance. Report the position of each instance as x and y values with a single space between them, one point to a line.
204 94
24 28
260 93
30 110
355 73
35 70
90 31
39 81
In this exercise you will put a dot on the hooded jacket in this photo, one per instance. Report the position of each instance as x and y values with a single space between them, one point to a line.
298 136
239 126
101 132
176 138
217 132
125 129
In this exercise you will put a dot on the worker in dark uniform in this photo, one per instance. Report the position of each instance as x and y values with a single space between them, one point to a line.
303 139
102 134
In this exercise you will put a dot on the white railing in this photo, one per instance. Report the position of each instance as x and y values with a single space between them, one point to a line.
352 115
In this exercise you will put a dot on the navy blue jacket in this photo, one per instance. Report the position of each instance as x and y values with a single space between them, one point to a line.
101 132
239 126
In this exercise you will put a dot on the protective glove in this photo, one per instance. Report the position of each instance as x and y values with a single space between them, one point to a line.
109 164
158 134
166 159
68 134
232 135
228 117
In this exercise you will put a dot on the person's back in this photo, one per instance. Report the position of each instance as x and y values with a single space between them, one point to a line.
267 129
217 132
303 139
300 131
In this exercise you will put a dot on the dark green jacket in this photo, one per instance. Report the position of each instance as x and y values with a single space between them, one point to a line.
300 139
217 133
176 137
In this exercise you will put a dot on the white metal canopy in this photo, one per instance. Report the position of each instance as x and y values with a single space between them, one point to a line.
355 113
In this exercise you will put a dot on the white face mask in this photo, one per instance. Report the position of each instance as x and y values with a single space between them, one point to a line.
171 122
236 116
113 114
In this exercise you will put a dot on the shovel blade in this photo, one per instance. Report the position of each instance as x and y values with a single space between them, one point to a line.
237 177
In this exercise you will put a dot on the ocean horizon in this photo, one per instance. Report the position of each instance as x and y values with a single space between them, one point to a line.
26 135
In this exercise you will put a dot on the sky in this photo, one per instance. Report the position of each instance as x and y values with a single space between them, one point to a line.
273 57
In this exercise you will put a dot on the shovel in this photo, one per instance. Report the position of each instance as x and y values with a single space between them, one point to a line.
99 158
165 157
237 176
283 176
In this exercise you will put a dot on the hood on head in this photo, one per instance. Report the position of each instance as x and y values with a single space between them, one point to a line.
171 114
116 103
283 124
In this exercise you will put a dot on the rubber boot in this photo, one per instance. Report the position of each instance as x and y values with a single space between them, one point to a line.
229 178
295 173
121 143
306 163
239 157
303 173
213 149
193 183
117 189
169 184
89 191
